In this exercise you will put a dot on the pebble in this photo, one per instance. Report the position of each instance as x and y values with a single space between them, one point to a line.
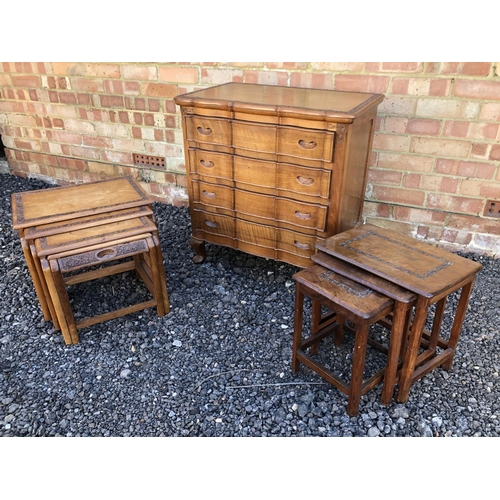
219 364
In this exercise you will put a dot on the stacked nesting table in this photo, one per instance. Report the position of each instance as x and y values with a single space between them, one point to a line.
431 273
72 228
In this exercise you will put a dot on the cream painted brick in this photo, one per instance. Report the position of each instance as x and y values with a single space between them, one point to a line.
3 118
139 72
356 67
148 134
176 165
55 148
129 145
405 162
62 111
447 108
159 120
80 126
179 193
162 149
101 168
8 142
389 142
219 76
111 130
392 105
45 82
441 148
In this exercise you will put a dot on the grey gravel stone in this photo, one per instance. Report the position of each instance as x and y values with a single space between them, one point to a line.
219 364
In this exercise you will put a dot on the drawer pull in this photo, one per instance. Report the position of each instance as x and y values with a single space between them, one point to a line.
305 181
307 145
302 246
206 164
209 194
302 216
106 253
204 131
209 223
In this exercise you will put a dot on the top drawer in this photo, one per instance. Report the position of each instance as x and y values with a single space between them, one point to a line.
208 130
262 141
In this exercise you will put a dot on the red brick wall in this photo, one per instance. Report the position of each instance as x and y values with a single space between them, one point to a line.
434 165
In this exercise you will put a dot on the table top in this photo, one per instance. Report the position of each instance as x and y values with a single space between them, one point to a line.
45 206
417 266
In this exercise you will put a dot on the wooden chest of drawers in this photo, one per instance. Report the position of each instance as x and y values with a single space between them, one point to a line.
271 170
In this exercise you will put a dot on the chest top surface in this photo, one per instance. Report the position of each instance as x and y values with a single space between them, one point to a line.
278 99
43 206
417 266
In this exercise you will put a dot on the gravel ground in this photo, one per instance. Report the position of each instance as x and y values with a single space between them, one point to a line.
219 363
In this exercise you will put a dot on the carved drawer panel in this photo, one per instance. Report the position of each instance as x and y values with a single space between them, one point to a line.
250 138
213 195
281 179
208 163
254 206
208 130
305 143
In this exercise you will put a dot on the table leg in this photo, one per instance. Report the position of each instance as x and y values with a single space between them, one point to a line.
358 363
297 326
458 320
412 350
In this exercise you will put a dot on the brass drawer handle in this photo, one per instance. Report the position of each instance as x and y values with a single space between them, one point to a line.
209 194
209 223
302 246
302 216
305 181
206 164
204 131
106 253
307 145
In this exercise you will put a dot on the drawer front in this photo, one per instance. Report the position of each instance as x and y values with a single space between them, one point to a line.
305 143
248 138
281 177
94 257
280 210
210 164
213 195
208 130
212 224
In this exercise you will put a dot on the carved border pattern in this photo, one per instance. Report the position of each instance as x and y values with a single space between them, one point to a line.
340 133
329 276
444 263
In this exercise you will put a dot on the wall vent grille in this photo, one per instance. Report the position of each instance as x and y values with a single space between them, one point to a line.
149 161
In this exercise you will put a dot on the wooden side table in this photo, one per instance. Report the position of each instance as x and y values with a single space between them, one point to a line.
43 212
430 272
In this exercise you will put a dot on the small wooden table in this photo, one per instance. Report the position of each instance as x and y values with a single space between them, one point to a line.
43 212
430 272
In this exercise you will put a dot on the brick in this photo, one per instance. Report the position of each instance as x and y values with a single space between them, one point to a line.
101 168
490 243
158 90
139 72
83 99
480 150
84 152
495 152
450 203
177 74
112 101
421 86
219 76
490 111
5 80
439 147
362 83
419 215
111 130
307 80
87 84
474 224
117 157
96 141
149 119
84 127
405 162
464 68
371 209
153 104
456 129
477 89
423 126
123 115
398 195
102 70
136 133
447 108
26 81
395 67
66 137
388 142
22 120
412 181
334 67
67 97
476 170
63 83
128 145
159 135
69 69
388 177
393 105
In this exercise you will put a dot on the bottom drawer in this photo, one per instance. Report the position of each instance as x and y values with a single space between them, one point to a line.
256 239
